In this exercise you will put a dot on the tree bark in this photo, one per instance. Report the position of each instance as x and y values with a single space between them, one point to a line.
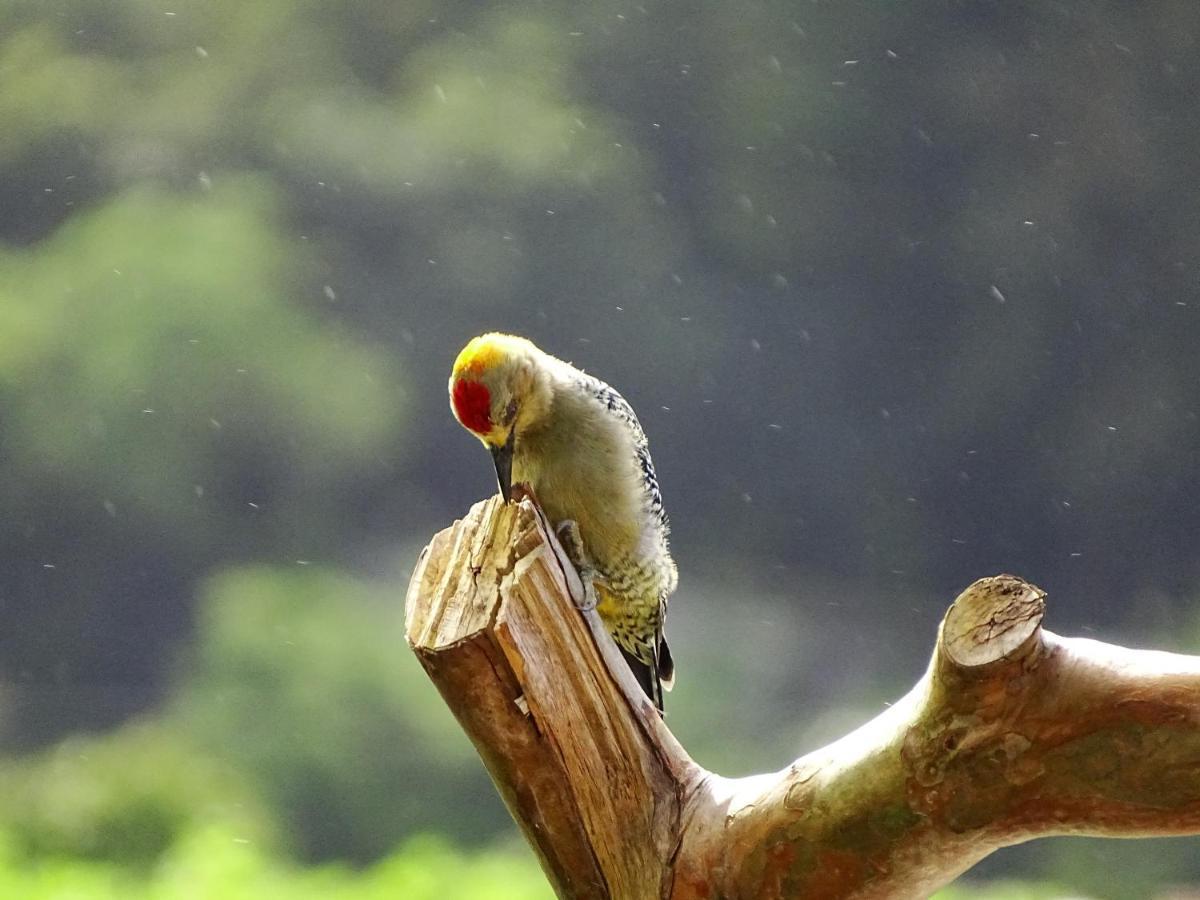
1013 733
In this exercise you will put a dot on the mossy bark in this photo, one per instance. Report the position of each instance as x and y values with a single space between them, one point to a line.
1012 733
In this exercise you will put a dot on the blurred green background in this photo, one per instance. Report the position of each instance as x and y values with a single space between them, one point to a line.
904 294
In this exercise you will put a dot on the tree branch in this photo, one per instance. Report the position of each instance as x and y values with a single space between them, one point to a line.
1012 733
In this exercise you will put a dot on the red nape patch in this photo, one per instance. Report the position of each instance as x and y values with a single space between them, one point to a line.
472 404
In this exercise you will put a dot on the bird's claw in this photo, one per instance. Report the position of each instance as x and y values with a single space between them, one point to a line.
568 535
589 595
572 544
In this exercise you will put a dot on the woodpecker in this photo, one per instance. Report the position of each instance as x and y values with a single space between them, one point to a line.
577 443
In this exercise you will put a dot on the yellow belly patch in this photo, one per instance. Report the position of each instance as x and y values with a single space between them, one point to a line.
609 606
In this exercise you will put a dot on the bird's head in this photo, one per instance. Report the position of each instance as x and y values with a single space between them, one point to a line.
499 389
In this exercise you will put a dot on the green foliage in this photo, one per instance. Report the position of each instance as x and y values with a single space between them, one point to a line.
1118 870
50 90
183 348
1006 890
301 678
900 291
164 391
124 798
217 863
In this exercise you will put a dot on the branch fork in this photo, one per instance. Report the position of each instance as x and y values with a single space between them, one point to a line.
1012 733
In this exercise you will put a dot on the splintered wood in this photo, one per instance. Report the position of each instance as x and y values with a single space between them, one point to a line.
566 738
1012 733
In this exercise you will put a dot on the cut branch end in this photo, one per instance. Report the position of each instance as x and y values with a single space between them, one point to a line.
1011 734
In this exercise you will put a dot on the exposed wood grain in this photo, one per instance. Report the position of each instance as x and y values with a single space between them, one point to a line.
1012 733
574 751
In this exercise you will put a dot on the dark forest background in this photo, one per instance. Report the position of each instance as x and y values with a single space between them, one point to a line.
904 294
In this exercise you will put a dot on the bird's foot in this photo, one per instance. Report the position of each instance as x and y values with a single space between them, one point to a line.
589 594
572 544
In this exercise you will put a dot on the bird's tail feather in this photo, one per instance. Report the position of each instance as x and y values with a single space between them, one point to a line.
666 665
647 675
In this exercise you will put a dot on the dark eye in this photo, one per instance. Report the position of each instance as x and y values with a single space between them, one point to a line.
510 412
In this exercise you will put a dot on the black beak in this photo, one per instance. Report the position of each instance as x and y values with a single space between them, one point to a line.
502 457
